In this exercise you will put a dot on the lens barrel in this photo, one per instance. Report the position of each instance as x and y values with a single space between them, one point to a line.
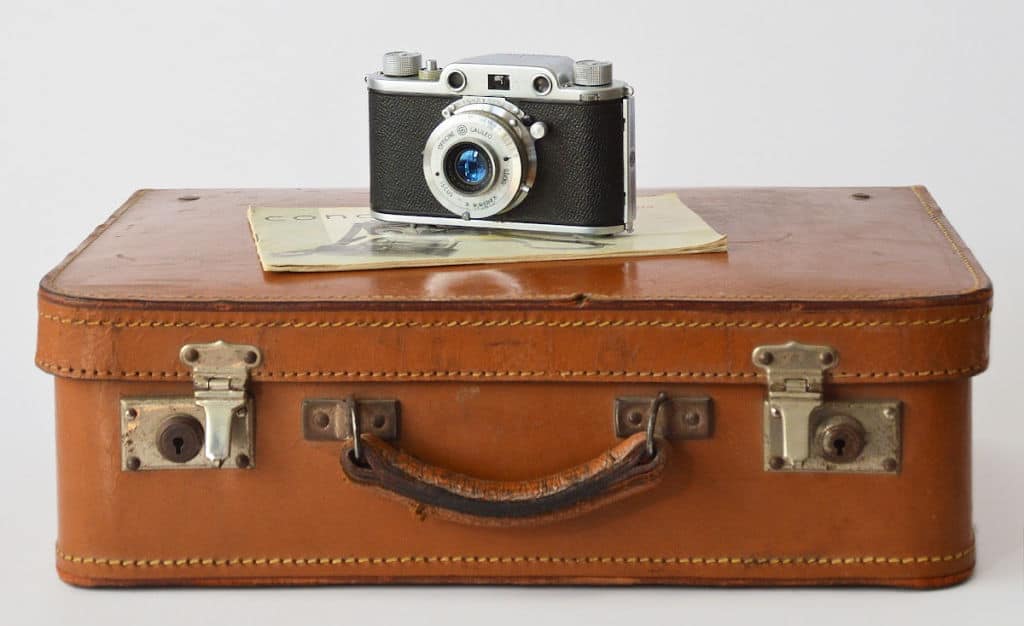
480 160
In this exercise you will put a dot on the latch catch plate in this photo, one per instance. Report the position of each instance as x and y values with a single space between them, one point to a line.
879 421
142 420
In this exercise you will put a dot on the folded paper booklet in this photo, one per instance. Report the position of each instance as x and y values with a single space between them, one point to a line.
347 238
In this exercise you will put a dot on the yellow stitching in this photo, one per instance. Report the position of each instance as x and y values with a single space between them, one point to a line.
933 214
774 561
653 374
499 323
265 375
401 374
922 373
83 372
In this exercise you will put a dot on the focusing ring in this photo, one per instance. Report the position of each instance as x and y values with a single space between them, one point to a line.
503 136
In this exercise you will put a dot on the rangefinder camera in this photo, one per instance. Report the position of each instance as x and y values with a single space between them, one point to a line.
503 141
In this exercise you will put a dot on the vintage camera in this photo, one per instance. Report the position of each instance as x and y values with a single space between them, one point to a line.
515 141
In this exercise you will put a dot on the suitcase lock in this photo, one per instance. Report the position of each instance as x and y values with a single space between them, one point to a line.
804 433
212 428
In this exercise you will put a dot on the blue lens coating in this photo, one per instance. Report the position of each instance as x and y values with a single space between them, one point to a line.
472 166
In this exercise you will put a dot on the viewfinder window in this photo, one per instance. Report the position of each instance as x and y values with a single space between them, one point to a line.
497 81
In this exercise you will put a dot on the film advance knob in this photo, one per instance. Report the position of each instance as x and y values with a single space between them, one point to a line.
401 63
590 73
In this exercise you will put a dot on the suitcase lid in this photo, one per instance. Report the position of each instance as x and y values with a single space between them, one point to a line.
827 265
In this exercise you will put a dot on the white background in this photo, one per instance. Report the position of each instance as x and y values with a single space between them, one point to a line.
98 99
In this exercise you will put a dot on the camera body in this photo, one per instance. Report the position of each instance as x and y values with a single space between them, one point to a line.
507 141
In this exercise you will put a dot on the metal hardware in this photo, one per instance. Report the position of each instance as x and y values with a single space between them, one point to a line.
498 127
880 443
856 436
673 417
353 421
180 438
401 64
840 439
328 419
145 420
522 71
429 71
652 421
795 373
220 372
629 159
161 432
499 225
678 417
591 73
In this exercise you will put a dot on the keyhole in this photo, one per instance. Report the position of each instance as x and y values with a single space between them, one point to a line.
180 439
841 439
839 444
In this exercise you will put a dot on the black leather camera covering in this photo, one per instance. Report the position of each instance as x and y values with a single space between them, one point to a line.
579 162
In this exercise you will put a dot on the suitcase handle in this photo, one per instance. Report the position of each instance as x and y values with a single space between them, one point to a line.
633 465
621 471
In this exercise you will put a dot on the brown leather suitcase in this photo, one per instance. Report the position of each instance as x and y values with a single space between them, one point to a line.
793 412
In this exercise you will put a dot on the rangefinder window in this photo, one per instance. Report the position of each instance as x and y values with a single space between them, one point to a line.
498 81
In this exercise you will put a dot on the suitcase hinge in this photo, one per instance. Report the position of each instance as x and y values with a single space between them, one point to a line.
803 432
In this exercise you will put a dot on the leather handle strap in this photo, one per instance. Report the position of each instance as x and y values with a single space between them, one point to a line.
623 470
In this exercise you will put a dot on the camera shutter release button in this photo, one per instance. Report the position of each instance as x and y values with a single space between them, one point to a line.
401 63
430 71
590 73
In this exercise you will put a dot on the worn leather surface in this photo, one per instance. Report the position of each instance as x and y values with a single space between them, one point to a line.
716 516
622 471
816 247
579 162
510 373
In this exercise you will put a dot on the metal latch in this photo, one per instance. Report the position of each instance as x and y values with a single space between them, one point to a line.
220 372
803 432
169 432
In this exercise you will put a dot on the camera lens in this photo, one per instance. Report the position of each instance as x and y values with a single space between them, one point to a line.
480 160
471 166
468 167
